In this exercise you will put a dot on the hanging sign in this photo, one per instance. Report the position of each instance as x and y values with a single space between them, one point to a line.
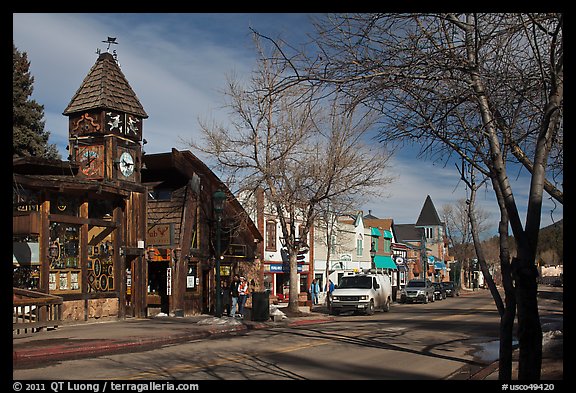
159 234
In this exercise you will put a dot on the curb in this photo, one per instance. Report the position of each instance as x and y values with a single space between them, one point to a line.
22 357
483 373
56 353
310 321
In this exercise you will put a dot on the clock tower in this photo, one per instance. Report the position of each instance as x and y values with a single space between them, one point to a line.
105 124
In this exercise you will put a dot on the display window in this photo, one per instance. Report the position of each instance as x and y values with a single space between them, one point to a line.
65 274
100 259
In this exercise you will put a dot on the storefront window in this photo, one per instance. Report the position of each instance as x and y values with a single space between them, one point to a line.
271 235
65 273
100 259
303 283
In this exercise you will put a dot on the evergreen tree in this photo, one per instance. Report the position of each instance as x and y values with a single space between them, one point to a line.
28 135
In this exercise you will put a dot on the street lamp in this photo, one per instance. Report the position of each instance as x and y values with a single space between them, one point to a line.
218 199
372 255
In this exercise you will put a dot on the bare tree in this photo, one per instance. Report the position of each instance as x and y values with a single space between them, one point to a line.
300 155
455 216
485 87
457 220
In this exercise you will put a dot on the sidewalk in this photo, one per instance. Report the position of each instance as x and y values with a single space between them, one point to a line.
90 339
551 300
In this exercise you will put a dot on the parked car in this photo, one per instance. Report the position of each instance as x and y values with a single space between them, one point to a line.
439 291
417 291
450 288
362 292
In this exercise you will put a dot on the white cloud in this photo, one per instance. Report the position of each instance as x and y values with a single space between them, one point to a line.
177 65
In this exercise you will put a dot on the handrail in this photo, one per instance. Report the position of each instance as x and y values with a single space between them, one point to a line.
34 310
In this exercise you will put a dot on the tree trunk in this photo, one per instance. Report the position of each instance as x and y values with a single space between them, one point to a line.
529 327
506 320
506 338
294 283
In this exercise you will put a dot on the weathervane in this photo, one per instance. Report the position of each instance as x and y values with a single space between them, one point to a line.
110 41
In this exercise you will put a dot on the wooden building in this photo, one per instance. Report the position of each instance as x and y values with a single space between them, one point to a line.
85 218
181 235
82 228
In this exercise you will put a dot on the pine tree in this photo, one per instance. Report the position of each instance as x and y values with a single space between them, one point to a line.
28 135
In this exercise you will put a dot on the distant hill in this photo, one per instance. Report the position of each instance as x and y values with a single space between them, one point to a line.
551 243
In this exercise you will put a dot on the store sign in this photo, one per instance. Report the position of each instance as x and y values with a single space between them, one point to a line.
159 235
236 250
280 268
345 257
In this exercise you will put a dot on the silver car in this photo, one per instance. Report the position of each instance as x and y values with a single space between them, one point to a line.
417 291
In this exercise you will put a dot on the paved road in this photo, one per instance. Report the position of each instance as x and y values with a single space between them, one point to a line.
414 341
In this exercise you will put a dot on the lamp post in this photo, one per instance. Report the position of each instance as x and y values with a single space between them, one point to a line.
218 199
372 255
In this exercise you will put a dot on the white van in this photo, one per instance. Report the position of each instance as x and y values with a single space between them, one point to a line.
363 292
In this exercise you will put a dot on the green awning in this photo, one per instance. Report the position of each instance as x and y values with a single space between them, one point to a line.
375 232
387 234
384 262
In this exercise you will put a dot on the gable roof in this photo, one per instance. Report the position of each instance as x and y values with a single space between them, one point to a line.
164 166
428 215
105 87
407 233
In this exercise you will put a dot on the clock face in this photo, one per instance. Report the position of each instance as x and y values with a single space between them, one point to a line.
90 159
126 164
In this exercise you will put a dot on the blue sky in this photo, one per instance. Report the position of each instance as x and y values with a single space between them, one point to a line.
177 64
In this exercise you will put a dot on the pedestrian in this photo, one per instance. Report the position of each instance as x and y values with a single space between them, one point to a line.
329 289
314 291
242 295
234 294
225 296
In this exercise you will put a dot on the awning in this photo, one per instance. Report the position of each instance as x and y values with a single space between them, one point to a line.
375 232
439 265
387 234
384 262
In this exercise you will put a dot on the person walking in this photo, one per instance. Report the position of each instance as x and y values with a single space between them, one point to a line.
329 290
234 295
242 295
314 291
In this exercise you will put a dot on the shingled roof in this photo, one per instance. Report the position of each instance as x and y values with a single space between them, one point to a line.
105 86
407 233
428 214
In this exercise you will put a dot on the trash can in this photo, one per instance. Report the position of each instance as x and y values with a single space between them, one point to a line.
260 306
